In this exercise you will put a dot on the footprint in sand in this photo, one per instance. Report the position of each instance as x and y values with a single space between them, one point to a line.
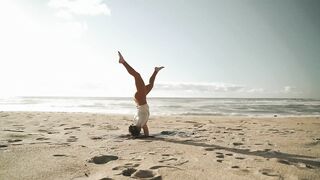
88 125
146 174
96 138
102 159
3 146
4 115
235 167
241 158
60 155
13 130
106 178
72 139
18 125
211 149
237 143
158 167
282 161
181 162
245 170
42 139
126 166
128 171
268 172
169 159
70 128
13 140
165 154
220 156
48 131
136 159
172 160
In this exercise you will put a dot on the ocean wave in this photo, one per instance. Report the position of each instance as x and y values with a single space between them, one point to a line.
168 106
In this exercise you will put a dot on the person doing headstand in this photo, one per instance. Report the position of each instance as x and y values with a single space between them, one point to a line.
142 115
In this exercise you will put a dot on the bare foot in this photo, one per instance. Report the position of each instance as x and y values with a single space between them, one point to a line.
158 68
121 60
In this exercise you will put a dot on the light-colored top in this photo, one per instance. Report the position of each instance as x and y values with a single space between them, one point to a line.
142 115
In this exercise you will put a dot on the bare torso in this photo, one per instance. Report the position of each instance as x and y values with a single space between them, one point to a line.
140 99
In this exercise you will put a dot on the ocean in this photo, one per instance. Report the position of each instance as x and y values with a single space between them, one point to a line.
167 106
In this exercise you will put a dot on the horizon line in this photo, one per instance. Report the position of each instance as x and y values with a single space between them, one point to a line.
163 97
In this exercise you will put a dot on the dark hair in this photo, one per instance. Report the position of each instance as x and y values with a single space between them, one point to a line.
134 130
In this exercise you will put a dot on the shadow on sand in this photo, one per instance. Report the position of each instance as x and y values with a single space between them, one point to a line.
293 158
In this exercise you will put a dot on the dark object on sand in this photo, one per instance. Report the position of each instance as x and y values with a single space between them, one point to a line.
102 159
275 115
134 130
144 174
237 143
168 132
128 171
3 146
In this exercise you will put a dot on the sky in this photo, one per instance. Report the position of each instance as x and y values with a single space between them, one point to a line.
210 48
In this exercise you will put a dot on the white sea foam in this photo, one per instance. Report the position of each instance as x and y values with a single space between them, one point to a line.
168 106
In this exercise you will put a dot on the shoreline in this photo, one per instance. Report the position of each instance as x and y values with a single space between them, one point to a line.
173 115
175 106
62 145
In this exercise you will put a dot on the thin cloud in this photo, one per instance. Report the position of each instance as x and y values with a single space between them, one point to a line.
67 12
288 89
255 90
200 87
68 8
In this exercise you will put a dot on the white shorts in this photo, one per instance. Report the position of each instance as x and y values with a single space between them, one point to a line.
142 115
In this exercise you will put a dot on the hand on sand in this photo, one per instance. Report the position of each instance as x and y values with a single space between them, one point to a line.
158 68
121 60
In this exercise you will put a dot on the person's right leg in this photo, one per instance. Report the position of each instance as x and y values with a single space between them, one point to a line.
152 78
145 130
140 86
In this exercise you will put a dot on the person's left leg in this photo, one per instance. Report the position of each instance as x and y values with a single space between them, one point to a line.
152 78
140 95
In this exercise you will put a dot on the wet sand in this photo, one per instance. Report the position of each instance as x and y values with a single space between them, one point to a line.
39 145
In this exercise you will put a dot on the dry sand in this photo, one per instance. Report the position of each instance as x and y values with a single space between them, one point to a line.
96 146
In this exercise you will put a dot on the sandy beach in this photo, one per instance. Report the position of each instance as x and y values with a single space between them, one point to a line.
40 145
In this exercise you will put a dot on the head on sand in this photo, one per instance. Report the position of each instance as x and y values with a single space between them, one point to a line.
134 130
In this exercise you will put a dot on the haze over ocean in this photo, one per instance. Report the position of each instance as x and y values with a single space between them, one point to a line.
168 106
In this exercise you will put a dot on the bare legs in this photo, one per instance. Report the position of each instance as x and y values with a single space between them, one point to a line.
142 89
152 78
140 86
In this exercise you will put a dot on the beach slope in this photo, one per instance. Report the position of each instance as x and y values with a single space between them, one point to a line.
41 145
